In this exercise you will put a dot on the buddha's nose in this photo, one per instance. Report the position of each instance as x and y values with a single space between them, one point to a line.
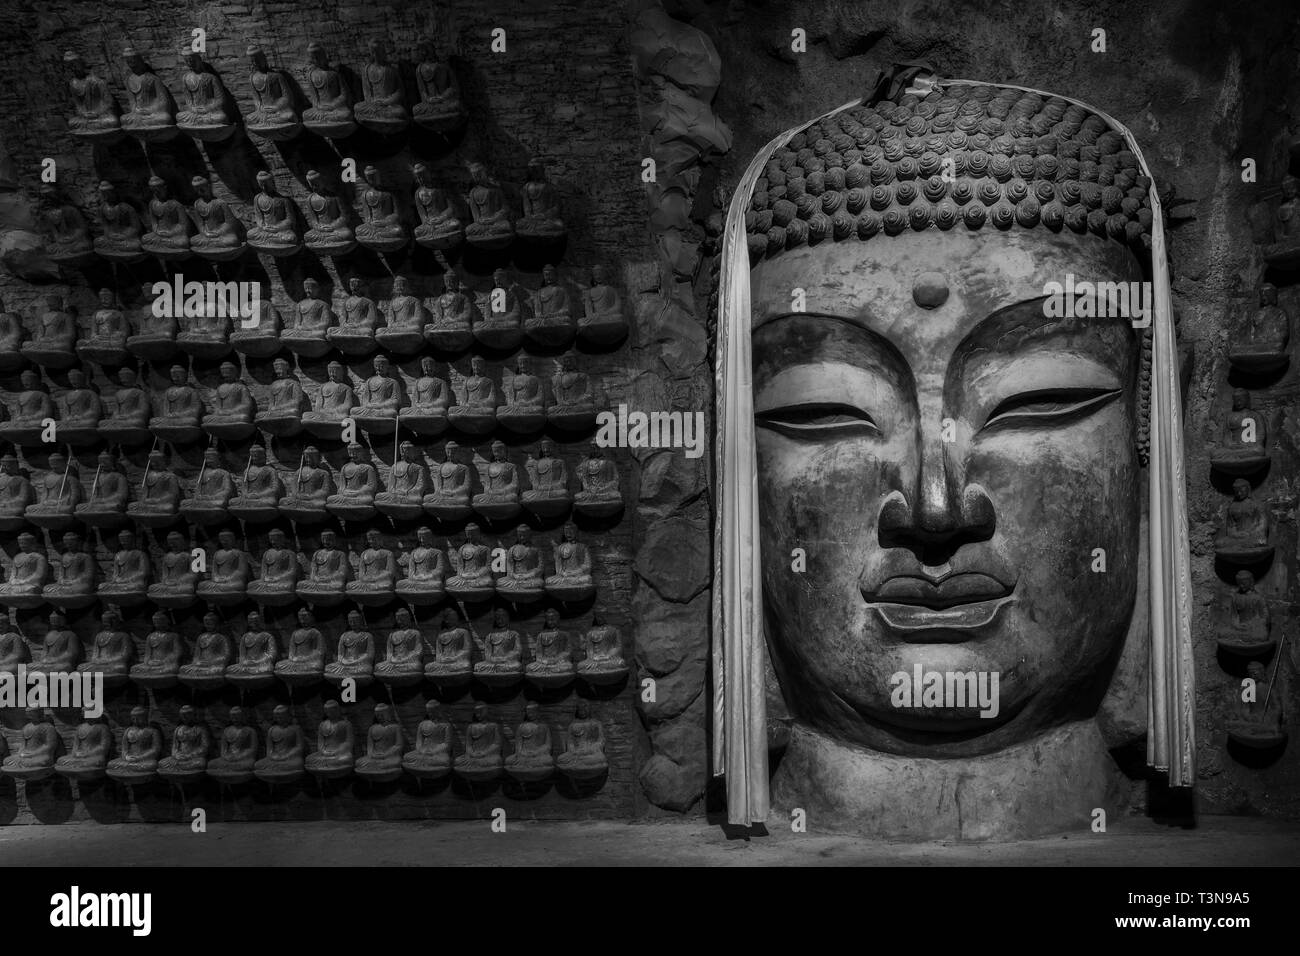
942 511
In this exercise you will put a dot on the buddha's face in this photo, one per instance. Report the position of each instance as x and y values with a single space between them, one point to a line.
126 378
471 533
71 542
1240 400
266 183
160 621
477 366
403 618
106 298
203 188
1268 295
570 532
1245 581
254 621
258 58
521 534
311 458
335 372
399 286
499 617
450 282
317 55
948 472
552 618
327 539
138 717
29 380
211 459
226 539
76 379
237 716
228 372
127 540
381 366
1241 489
425 537
9 466
277 539
449 450
175 541
258 456
546 449
26 542
311 287
331 710
177 375
354 620
372 538
449 618
281 715
305 618
211 621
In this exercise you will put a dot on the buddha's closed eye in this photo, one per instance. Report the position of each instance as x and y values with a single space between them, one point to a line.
1049 407
819 420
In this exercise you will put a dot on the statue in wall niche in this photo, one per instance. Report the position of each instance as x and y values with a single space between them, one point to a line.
453 653
541 221
177 579
336 402
426 571
1243 442
403 334
471 562
355 656
381 228
233 407
482 761
206 335
440 107
499 499
34 406
161 662
603 321
259 500
1243 536
262 338
522 583
403 663
137 761
355 333
334 755
430 758
97 115
451 481
128 424
63 228
453 317
532 760
376 573
119 227
524 409
430 399
128 577
58 493
1248 626
603 661
284 760
476 411
207 668
205 115
275 229
572 580
92 744
328 574
278 572
168 235
383 397
190 744
26 575
237 751
13 649
16 494
584 750
408 483
213 491
179 412
330 113
440 226
228 574
1260 720
312 487
59 652
574 409
330 232
309 335
552 663
111 652
304 661
500 321
493 226
274 116
383 107
106 343
284 415
502 661
1268 336
1285 248
358 482
158 498
548 480
110 491
382 762
256 653
220 233
12 334
600 495
552 323
151 112
73 586
37 752
155 337
53 341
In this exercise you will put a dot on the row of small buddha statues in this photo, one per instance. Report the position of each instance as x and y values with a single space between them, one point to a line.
329 576
457 656
479 757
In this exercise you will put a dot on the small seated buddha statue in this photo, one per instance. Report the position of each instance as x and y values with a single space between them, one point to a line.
161 662
128 578
155 337
177 580
228 575
92 744
335 403
275 228
1268 335
190 744
440 223
541 221
382 107
73 586
233 407
13 649
572 580
524 409
274 115
261 338
283 415
1259 722
96 116
38 751
355 655
358 482
552 323
381 228
151 112
499 499
1243 445
328 574
481 762
158 498
27 575
426 571
213 491
584 750
63 229
471 562
500 321
404 332
600 495
1248 629
440 108
59 651
376 573
259 499
179 412
16 494
111 652
452 328
453 653
58 492
603 321
476 411
205 115
329 230
552 663
256 654
1244 531
532 760
219 234
309 336
79 411
430 399
284 761
334 755
452 483
106 343
548 478
493 226
312 487
403 663
574 408
522 583
304 661
236 751
54 340
330 113
430 758
382 762
168 221
206 335
383 398
34 407
355 333
277 582
120 230
602 646
502 663
137 761
128 424
408 483
12 334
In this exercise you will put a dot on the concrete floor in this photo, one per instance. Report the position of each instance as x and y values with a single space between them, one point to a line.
1217 841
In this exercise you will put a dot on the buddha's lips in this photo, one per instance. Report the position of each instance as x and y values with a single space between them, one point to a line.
951 591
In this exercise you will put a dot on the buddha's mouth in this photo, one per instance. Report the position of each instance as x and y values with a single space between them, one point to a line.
927 610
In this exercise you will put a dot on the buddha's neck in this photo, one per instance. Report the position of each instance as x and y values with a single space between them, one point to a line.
1051 784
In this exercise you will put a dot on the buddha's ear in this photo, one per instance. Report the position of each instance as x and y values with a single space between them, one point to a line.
1122 715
